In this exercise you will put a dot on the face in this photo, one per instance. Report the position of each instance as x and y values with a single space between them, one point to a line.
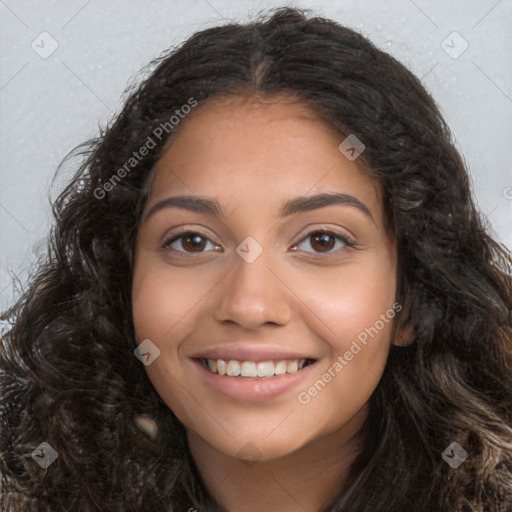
255 273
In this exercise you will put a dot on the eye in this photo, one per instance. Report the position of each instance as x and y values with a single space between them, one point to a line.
323 241
191 241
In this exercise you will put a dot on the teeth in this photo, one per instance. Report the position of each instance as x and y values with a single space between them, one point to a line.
280 368
292 367
248 369
266 369
234 368
221 366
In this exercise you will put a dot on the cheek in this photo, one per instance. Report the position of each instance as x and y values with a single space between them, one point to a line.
161 300
164 306
351 300
356 304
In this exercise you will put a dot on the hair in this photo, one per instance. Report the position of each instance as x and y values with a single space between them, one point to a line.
68 373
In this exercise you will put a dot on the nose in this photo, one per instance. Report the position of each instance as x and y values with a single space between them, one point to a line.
253 294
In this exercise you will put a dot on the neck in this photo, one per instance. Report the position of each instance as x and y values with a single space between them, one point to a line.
307 479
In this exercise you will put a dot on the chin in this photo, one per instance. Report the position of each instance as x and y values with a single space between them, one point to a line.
256 444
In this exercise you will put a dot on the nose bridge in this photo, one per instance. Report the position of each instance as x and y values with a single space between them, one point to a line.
252 295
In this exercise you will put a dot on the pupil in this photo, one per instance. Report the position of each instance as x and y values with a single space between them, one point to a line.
325 240
196 244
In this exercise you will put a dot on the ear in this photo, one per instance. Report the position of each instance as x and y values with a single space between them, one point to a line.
404 334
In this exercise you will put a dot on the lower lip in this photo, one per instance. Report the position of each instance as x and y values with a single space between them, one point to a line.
256 389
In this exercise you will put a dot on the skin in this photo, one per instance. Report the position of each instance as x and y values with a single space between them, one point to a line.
252 155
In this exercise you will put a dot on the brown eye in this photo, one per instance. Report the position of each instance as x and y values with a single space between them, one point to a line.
324 241
191 242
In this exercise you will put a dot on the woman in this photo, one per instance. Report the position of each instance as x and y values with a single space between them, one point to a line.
268 288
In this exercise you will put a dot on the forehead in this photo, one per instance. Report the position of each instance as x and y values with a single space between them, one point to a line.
259 152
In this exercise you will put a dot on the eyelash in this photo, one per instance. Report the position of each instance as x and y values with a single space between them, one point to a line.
181 234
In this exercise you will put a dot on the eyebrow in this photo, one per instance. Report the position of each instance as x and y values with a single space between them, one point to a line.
211 206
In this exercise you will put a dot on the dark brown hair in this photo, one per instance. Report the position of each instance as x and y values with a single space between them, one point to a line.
68 374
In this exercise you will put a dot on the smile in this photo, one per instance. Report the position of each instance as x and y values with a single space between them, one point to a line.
253 369
254 381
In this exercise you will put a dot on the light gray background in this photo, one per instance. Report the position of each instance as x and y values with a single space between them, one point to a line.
50 105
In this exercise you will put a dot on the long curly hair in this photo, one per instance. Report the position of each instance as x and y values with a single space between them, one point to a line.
68 373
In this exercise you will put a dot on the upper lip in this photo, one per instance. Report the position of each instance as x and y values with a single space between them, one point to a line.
249 352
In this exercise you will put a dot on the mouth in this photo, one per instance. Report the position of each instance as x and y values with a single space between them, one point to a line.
254 381
254 369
